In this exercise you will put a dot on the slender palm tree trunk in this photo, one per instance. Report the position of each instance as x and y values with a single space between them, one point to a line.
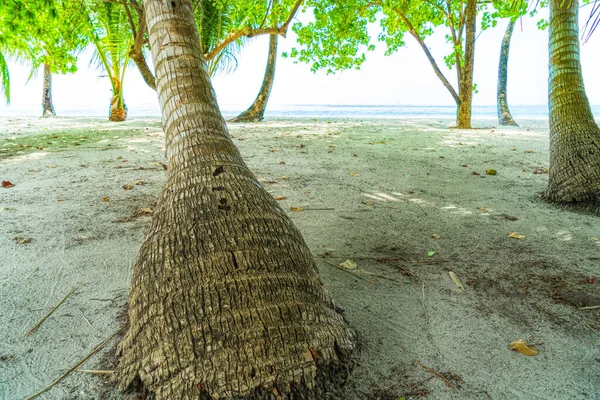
47 106
574 135
463 118
118 110
504 116
256 111
225 297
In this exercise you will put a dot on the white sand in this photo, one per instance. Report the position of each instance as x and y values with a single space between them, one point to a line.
409 316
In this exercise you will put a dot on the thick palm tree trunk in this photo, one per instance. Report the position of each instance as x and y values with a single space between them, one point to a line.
225 298
504 116
256 111
463 118
47 106
574 135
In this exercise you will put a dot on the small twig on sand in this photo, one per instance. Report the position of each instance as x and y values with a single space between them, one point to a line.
97 371
593 330
50 313
347 271
88 321
590 308
63 376
383 277
319 209
439 375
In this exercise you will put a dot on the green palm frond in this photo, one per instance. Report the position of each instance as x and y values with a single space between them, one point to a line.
4 78
215 21
110 33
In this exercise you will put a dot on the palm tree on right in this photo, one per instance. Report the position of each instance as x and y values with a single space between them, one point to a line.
574 135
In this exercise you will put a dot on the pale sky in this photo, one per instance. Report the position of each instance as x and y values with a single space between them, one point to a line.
405 78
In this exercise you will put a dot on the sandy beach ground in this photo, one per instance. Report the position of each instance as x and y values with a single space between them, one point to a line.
384 193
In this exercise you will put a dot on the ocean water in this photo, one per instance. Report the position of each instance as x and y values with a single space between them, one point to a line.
539 112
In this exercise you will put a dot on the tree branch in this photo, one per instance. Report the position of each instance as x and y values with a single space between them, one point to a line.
131 24
432 61
252 32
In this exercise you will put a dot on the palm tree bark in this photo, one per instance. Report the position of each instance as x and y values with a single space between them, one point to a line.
256 112
574 135
225 297
504 116
47 106
463 118
118 109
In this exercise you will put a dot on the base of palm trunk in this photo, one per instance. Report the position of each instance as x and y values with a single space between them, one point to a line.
506 119
118 114
48 113
250 115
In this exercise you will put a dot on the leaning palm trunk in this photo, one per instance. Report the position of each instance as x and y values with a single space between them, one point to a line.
574 135
256 111
225 298
47 106
504 116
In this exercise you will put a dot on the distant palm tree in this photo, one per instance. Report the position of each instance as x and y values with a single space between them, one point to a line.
110 33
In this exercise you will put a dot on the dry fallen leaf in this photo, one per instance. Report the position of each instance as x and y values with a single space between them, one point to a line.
296 209
515 235
490 172
285 178
482 208
475 173
465 165
127 186
352 173
368 203
349 264
52 166
520 346
280 198
146 211
105 199
436 236
7 184
138 182
21 240
282 162
380 142
529 151
33 170
456 280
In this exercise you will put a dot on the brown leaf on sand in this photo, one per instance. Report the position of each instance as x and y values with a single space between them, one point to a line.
105 199
296 209
127 186
7 184
515 235
22 240
520 346
482 208
475 173
280 198
146 211
435 236
139 182
352 173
